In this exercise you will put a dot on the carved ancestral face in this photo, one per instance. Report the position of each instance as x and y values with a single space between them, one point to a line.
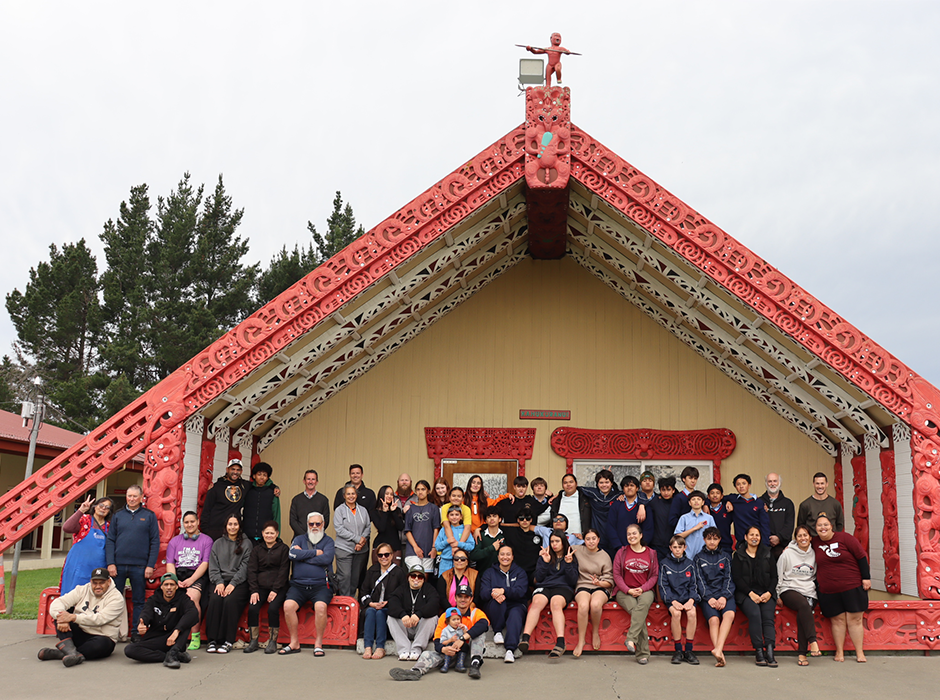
556 39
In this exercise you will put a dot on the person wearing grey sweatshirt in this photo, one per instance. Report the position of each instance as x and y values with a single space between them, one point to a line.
353 526
228 579
796 588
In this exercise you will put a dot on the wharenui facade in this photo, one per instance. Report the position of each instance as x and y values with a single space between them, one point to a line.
544 308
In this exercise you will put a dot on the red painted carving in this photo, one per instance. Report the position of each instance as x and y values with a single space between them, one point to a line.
547 136
163 485
206 471
860 501
554 53
759 285
926 471
889 535
262 335
837 479
714 444
479 443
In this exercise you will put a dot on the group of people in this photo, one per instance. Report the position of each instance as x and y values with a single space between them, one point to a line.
447 565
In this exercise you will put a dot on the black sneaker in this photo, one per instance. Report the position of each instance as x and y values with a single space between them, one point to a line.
691 658
523 644
405 674
678 657
474 671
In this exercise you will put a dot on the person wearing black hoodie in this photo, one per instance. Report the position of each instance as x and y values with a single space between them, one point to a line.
261 503
412 614
164 626
658 510
754 573
268 578
226 498
782 514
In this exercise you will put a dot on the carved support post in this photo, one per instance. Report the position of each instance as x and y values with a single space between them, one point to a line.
860 501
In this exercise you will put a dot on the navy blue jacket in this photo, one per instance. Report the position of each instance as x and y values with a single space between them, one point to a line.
749 513
133 538
677 580
619 518
723 520
515 583
713 574
310 568
560 575
657 512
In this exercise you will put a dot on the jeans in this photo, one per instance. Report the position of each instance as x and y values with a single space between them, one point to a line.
138 588
375 628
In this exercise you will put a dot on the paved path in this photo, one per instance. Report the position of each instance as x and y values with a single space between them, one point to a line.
607 677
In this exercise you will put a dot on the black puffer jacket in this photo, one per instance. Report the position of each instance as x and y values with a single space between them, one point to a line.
268 569
756 574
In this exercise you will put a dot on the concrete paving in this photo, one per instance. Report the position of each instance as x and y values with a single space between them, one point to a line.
343 673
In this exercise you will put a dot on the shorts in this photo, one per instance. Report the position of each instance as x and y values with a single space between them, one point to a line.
201 584
854 600
425 563
608 591
550 593
309 594
709 612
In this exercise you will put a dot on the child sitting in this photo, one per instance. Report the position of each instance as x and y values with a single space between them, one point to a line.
451 634
677 587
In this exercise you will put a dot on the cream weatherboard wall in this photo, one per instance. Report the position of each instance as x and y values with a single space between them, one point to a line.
546 335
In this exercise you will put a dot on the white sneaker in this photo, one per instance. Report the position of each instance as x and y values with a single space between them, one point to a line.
413 656
509 658
404 656
498 638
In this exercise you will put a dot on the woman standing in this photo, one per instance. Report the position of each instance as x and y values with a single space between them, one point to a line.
353 527
594 587
636 572
844 579
228 574
381 579
478 500
87 552
389 521
187 556
556 574
441 493
268 574
796 588
755 587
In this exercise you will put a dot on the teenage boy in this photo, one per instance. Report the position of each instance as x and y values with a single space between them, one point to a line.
602 495
540 493
624 513
647 487
691 524
678 589
720 513
261 505
715 591
421 528
454 517
484 555
509 508
820 503
659 509
747 510
526 543
574 505
680 503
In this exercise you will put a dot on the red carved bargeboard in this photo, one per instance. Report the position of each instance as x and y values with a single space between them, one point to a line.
890 536
479 443
713 444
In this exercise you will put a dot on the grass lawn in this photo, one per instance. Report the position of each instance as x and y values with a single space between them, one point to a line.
29 584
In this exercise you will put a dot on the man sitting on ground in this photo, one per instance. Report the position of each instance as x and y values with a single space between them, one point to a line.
164 626
89 621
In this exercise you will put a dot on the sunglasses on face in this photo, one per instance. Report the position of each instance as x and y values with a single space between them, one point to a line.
558 519
416 576
460 559
384 554
525 517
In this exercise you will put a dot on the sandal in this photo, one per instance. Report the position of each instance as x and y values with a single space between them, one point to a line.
367 653
556 652
318 652
814 649
288 650
802 661
378 653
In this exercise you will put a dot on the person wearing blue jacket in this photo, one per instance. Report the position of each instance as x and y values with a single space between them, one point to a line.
747 511
131 548
556 575
624 513
679 590
311 556
504 590
454 517
718 509
715 591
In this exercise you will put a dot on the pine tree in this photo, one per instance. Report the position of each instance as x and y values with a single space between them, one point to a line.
9 386
341 230
58 323
285 269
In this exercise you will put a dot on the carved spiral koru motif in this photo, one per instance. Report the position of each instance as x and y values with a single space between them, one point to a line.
479 443
547 137
582 443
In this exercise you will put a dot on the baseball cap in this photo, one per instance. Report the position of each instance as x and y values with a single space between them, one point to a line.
99 574
169 577
464 589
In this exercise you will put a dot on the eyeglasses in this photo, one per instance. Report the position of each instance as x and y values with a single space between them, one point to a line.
460 559
384 554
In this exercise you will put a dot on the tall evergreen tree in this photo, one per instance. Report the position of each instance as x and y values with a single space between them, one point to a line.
124 348
58 323
9 385
285 269
341 230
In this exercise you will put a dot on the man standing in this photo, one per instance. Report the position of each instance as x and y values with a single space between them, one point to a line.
261 504
225 498
747 510
574 505
311 555
89 620
308 501
820 503
470 643
131 549
781 512
366 497
164 626
404 493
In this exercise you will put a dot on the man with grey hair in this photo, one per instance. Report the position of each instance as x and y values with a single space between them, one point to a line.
131 549
781 512
311 554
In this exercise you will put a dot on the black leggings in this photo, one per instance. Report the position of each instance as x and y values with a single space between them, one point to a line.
274 608
153 649
760 622
805 625
222 614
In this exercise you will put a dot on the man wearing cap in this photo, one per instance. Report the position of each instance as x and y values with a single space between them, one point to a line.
311 555
164 626
89 619
225 498
261 503
131 548
470 643
412 614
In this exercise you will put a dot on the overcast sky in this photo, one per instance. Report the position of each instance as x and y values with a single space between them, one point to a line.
810 131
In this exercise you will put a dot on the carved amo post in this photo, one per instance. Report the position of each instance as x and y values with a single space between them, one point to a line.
925 448
890 534
860 501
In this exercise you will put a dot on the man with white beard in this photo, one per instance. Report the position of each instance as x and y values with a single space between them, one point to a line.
781 512
312 555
